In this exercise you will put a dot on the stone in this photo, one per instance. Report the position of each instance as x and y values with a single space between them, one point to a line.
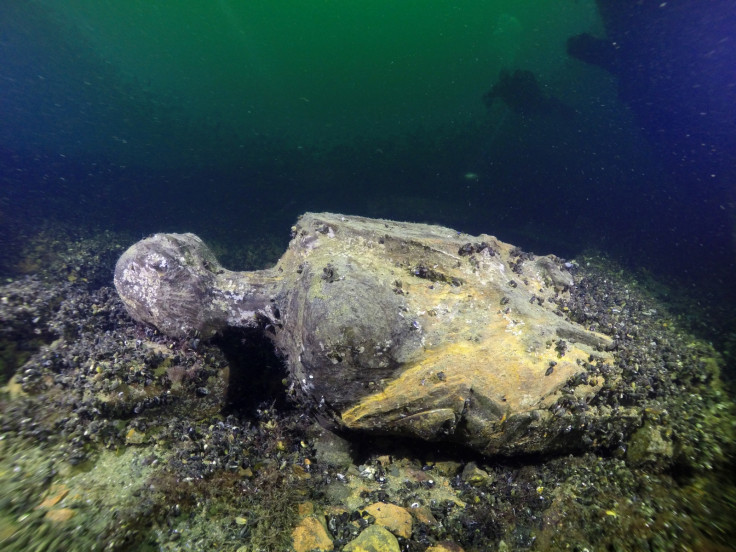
310 535
445 546
392 328
374 538
331 449
60 515
134 437
394 518
448 467
474 476
648 446
305 509
423 514
56 494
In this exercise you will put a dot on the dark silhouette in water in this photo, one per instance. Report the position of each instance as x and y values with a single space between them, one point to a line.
521 91
674 65
593 50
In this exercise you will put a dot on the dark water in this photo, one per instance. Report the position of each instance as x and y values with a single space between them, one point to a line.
230 118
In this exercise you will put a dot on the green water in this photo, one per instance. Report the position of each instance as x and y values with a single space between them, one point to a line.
324 70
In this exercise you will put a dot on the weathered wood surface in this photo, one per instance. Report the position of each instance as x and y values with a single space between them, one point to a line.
393 328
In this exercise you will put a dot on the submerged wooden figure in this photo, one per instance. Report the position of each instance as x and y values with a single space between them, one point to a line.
396 328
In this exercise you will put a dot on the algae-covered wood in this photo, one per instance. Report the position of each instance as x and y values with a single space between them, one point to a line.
393 328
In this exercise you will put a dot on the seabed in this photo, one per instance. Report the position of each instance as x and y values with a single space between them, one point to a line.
115 437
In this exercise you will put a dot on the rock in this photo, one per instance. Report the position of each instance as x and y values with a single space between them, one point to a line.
134 437
373 539
394 518
60 515
305 509
648 446
448 468
445 546
392 328
310 535
56 494
423 514
474 476
331 449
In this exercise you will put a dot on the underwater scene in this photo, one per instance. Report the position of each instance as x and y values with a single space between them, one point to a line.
367 276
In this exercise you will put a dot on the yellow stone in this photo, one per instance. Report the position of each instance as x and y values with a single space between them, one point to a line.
300 473
311 535
394 518
424 515
134 437
56 494
373 539
14 389
60 515
305 509
384 460
446 546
